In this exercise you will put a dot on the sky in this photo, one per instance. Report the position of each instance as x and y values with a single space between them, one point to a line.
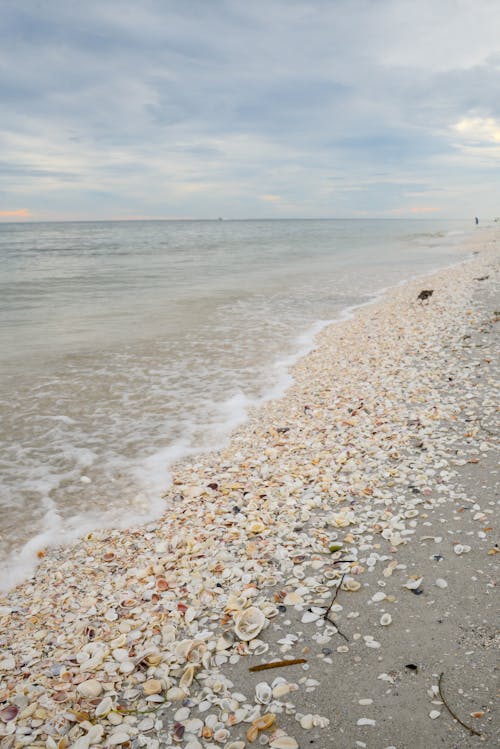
128 109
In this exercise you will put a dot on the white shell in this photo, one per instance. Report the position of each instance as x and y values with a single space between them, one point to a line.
307 722
175 694
284 742
441 583
90 688
263 693
413 584
309 616
190 650
187 678
192 725
280 690
350 584
385 619
249 623
146 724
152 686
117 738
104 707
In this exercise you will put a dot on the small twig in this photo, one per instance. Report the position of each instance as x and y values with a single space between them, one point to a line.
472 730
339 632
277 664
325 616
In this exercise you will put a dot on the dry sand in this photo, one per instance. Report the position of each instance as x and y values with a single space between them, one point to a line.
382 453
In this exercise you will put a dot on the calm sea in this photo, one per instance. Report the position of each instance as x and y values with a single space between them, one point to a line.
126 345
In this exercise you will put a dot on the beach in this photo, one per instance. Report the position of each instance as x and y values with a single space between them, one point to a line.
348 525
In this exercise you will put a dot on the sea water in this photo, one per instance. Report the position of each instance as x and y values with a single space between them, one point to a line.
127 345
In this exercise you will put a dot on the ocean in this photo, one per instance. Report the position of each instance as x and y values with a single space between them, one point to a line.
125 346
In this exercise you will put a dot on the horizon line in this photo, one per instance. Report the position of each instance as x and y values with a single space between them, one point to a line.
250 218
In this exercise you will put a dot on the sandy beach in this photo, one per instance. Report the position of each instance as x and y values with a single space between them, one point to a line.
349 525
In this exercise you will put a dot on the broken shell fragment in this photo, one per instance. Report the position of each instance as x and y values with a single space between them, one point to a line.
413 584
249 623
385 619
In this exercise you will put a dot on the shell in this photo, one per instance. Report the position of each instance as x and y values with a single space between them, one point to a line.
350 584
249 623
90 688
263 693
190 650
413 584
120 737
306 722
104 707
252 733
221 734
291 599
264 721
280 690
175 694
284 742
385 619
9 713
187 678
152 686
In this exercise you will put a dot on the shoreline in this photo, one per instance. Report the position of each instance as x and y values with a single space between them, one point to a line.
21 565
332 462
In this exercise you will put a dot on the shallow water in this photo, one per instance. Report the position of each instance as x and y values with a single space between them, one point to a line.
125 345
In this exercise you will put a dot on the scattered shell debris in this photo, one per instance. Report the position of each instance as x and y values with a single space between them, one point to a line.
127 636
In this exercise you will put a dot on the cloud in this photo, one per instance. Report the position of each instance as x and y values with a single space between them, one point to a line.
200 109
16 213
479 129
416 210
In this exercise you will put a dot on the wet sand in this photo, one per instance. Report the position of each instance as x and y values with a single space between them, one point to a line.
381 453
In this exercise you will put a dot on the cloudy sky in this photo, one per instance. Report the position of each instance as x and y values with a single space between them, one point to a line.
269 108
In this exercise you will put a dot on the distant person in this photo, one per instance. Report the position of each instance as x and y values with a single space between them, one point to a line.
476 220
